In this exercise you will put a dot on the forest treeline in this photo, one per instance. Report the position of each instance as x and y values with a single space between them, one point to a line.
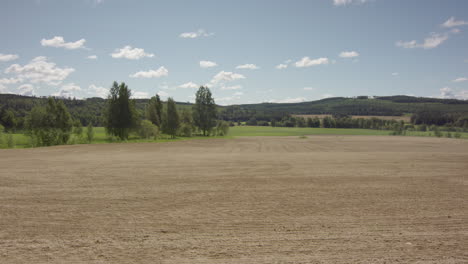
51 122
429 111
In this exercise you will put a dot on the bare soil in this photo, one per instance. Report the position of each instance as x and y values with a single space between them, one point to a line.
323 199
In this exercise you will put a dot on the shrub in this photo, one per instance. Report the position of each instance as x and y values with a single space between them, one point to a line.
147 130
457 135
185 130
449 135
222 128
437 132
10 140
90 133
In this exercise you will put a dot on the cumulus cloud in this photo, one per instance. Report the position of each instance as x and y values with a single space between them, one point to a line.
451 22
461 79
59 42
248 66
434 40
130 53
8 57
67 90
349 54
10 81
190 85
226 77
281 66
162 71
208 64
196 34
40 70
26 89
92 57
140 95
448 93
347 2
162 94
288 100
307 62
233 87
98 91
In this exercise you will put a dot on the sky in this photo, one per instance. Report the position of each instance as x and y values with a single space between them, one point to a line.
245 51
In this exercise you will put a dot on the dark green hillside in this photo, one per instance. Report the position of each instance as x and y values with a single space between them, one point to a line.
90 110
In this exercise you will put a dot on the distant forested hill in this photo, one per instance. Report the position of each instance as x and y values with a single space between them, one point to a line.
91 109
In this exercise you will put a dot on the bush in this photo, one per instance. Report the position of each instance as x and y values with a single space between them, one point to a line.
147 130
437 132
449 135
185 130
262 123
10 140
222 128
457 135
90 133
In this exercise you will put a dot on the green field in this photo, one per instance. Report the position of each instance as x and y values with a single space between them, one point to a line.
100 137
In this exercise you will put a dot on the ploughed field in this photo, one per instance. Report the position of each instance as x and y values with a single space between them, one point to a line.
321 199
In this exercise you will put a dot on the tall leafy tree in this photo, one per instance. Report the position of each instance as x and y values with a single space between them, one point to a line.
172 118
121 115
204 110
159 109
154 110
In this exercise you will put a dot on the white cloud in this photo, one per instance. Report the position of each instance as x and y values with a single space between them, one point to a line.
248 66
4 89
347 2
395 74
289 100
208 64
326 96
59 42
461 79
309 89
434 40
349 54
234 87
92 57
307 62
238 93
67 90
226 76
447 92
198 33
162 94
10 81
26 89
281 66
130 53
451 22
190 85
98 91
8 57
140 95
40 70
162 71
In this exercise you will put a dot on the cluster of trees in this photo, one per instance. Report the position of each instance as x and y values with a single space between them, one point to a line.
336 121
439 118
121 116
51 123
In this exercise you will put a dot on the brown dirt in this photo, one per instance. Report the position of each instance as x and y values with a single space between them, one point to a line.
324 199
406 119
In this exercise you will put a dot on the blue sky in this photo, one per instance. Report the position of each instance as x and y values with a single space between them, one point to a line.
245 51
